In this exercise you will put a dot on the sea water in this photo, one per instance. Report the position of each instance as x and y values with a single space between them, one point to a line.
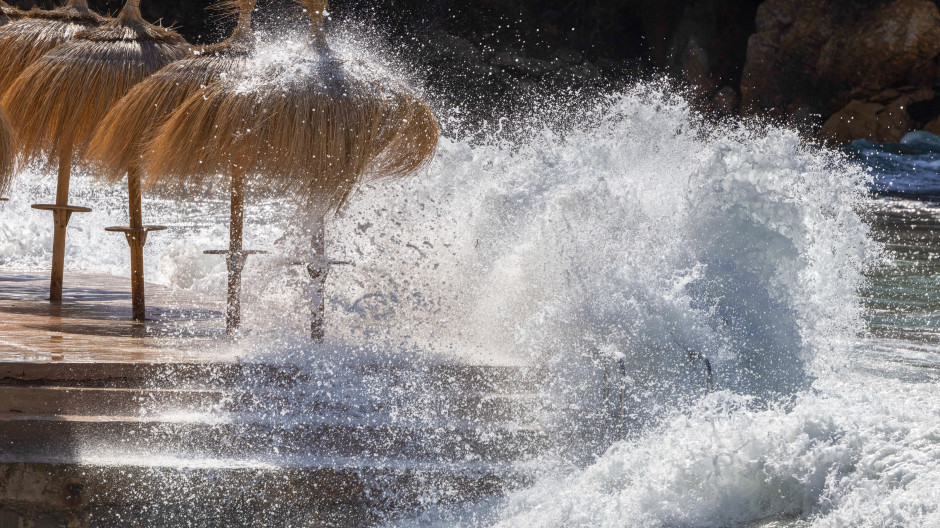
637 234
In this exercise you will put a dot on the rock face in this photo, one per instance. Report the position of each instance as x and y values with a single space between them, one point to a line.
823 54
816 64
490 56
707 48
883 118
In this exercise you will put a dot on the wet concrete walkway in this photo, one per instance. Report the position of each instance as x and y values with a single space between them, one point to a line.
109 422
93 323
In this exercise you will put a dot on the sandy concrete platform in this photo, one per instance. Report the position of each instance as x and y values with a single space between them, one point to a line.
93 322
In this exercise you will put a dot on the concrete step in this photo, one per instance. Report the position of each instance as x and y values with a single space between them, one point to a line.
460 392
472 407
145 375
221 375
216 493
53 400
197 436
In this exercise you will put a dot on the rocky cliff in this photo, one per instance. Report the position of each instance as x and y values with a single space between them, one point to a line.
866 67
841 69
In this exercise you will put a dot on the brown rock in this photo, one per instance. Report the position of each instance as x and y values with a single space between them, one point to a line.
695 66
827 52
933 127
725 101
872 120
858 120
893 123
892 45
886 96
919 95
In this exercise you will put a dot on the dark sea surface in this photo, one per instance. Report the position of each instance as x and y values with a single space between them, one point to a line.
902 295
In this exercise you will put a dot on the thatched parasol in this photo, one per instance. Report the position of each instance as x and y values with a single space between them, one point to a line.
7 154
120 140
56 103
118 144
23 42
312 130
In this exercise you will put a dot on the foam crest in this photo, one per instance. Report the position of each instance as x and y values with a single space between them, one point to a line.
841 457
639 232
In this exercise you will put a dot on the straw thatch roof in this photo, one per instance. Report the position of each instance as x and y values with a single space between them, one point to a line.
66 94
312 128
25 41
120 139
7 154
8 13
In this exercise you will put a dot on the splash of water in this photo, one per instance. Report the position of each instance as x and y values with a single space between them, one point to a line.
637 234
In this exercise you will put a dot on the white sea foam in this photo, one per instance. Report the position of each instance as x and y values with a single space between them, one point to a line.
859 451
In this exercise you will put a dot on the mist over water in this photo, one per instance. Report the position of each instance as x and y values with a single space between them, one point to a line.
635 233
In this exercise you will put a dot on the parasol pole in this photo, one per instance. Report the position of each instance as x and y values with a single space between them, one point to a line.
236 254
61 218
61 214
136 241
318 270
320 267
236 257
136 235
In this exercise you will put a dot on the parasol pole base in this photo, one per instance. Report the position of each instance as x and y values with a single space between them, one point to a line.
318 270
136 239
61 214
235 262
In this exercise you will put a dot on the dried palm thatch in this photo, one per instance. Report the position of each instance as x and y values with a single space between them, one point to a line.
10 11
58 101
312 129
7 154
9 14
23 42
119 142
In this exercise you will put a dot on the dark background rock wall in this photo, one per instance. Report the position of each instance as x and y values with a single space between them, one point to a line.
838 68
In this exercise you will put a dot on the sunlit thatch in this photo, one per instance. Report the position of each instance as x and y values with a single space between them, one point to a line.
120 139
65 94
23 42
311 129
7 154
9 14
